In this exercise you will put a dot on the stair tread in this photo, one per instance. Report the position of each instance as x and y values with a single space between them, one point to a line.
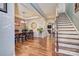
68 52
69 41
69 45
66 20
62 54
69 36
66 42
69 49
67 30
65 23
66 26
67 33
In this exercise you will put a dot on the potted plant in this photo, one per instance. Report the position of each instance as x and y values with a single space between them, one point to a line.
40 30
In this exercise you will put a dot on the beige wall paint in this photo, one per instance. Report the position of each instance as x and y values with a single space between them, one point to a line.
41 23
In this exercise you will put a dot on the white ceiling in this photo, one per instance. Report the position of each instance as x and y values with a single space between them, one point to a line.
25 11
49 9
45 10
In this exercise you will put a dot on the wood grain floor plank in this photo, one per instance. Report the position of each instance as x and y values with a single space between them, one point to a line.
37 47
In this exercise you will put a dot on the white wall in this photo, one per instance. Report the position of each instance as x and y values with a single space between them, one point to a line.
61 7
40 23
73 16
7 46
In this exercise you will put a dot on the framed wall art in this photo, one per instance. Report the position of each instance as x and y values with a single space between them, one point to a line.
76 7
3 7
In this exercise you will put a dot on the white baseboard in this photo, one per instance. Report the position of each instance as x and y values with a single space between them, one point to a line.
72 22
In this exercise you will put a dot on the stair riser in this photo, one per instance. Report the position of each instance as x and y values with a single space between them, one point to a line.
67 34
65 27
69 49
69 46
68 38
71 43
66 30
64 22
68 52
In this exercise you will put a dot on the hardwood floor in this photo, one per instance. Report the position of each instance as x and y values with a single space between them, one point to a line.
36 47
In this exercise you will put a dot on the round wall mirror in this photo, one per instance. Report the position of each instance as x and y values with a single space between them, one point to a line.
33 25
